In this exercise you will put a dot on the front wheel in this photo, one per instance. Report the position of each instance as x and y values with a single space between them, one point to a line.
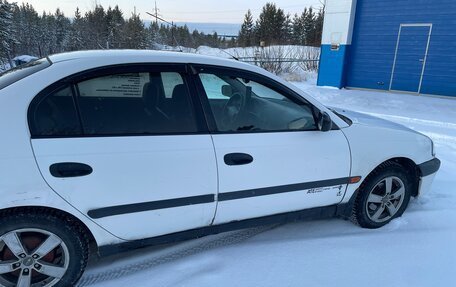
383 196
38 249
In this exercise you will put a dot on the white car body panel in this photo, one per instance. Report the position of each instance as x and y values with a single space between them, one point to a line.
397 141
425 184
281 159
21 183
130 170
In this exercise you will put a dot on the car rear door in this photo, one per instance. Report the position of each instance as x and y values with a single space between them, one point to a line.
128 147
271 157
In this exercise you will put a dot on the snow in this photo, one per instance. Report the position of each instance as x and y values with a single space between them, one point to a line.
19 60
25 58
417 249
4 65
276 51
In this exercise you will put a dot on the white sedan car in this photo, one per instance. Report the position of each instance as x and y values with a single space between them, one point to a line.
123 149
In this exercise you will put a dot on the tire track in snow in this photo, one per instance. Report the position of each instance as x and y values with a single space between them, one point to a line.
195 247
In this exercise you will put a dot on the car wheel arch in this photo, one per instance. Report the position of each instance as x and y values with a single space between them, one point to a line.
407 164
71 219
345 210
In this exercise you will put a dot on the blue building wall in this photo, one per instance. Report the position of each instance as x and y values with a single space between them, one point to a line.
370 61
332 66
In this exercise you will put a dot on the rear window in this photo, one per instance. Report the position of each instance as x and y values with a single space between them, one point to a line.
18 73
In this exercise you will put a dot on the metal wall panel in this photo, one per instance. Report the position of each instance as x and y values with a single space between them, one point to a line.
375 40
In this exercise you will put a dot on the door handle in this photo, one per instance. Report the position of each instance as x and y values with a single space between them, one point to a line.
237 159
70 169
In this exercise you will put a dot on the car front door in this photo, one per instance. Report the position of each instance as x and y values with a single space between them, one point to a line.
127 147
271 157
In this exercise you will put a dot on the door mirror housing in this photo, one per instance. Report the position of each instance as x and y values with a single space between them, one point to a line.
324 122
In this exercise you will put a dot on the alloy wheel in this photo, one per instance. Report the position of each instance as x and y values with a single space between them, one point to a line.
32 257
385 199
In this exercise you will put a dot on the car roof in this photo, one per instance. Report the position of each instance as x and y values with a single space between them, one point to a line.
148 56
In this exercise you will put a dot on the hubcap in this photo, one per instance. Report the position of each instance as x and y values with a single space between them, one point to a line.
385 199
28 261
32 257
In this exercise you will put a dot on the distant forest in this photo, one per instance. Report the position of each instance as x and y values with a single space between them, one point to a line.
274 27
24 31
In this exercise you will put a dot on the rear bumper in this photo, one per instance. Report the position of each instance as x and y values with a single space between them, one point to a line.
428 171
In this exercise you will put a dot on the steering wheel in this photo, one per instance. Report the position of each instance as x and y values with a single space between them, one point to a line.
232 111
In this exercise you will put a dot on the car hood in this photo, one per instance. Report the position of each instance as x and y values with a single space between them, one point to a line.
368 120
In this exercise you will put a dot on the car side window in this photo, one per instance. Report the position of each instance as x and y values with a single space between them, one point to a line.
55 115
136 103
214 86
241 105
170 81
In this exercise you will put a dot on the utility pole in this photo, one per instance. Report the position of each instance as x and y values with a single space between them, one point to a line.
172 33
167 22
156 13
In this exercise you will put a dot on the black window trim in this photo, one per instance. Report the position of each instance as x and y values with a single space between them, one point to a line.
38 99
72 81
261 79
190 72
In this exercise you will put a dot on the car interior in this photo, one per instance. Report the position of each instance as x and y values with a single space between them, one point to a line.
243 108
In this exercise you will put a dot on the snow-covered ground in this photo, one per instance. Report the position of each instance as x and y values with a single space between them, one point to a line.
418 249
4 67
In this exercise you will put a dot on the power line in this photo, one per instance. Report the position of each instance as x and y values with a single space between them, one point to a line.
167 22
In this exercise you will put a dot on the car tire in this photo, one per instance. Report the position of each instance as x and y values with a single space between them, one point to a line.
39 231
383 196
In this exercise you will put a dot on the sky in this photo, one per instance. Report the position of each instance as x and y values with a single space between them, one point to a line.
202 11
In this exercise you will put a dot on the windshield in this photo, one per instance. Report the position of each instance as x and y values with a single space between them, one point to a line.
13 75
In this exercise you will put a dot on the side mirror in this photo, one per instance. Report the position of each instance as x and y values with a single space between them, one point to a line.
324 122
227 91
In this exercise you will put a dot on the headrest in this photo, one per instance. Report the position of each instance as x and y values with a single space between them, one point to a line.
180 94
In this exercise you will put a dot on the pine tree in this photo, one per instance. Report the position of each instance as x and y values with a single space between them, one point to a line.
282 24
246 35
97 28
298 31
27 26
319 27
309 27
154 37
7 34
48 34
135 33
115 25
76 40
62 28
273 25
263 27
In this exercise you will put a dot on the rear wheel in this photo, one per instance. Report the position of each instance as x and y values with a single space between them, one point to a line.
383 196
40 250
